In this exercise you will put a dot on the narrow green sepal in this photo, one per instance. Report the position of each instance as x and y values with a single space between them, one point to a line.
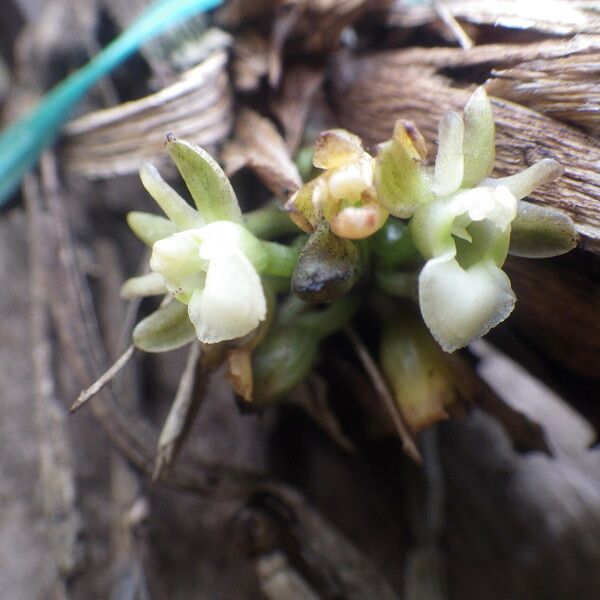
150 228
172 204
402 183
149 284
479 143
166 329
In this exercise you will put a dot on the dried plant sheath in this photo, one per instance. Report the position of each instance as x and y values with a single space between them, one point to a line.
119 140
258 145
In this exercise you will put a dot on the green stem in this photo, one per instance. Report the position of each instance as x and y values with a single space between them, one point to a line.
281 259
328 320
399 284
22 142
290 308
269 222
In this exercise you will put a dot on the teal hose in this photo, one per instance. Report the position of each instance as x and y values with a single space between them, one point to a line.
22 142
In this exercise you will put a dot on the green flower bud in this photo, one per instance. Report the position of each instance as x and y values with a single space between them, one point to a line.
327 269
290 350
421 380
393 244
282 361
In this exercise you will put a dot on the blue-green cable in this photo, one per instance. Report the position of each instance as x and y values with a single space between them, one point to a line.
22 142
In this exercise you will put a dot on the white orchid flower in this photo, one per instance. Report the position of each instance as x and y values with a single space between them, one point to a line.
205 257
464 229
463 292
213 269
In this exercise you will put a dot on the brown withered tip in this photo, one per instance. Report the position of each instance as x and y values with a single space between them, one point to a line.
416 137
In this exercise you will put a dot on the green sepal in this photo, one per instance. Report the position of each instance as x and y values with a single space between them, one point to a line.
402 183
541 232
150 228
172 204
209 186
166 329
479 142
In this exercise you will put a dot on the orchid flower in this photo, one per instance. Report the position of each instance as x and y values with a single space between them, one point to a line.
463 228
343 195
205 258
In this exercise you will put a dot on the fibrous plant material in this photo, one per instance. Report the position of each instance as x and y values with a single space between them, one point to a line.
119 140
555 17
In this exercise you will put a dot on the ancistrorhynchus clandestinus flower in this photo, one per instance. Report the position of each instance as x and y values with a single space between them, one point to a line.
462 220
343 195
205 258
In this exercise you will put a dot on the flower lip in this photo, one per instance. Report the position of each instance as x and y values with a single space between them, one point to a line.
463 293
213 269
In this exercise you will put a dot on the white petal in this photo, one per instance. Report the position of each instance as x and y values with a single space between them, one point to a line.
449 164
523 183
224 236
349 182
460 305
177 259
232 302
433 223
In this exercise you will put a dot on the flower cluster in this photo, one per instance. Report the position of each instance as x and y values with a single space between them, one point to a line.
436 235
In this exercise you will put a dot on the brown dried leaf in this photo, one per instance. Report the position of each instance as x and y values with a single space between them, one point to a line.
557 311
293 103
525 433
235 13
119 140
319 23
311 396
250 61
258 145
486 55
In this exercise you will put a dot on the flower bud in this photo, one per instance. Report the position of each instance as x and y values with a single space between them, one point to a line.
282 361
422 382
327 269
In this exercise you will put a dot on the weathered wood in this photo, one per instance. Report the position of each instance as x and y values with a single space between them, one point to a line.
557 310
